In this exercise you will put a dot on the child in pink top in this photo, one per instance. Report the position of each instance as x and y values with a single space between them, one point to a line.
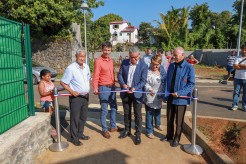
45 89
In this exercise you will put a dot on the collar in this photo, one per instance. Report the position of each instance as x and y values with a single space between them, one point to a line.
132 64
106 59
78 66
181 63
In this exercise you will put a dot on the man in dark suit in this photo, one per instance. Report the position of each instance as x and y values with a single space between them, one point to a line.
132 76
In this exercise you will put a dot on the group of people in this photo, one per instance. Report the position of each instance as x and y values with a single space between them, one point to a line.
149 80
141 81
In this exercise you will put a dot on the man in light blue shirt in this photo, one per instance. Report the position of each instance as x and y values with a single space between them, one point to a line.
147 56
76 80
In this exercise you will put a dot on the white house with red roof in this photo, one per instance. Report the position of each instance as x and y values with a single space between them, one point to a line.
121 32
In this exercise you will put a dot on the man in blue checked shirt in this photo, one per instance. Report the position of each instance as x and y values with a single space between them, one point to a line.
76 80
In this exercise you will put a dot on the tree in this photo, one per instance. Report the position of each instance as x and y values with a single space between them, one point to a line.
234 26
208 28
145 30
46 17
174 28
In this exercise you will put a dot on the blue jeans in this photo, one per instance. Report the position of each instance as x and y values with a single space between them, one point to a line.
105 99
238 84
150 114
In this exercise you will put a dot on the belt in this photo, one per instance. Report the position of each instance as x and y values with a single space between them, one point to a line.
107 85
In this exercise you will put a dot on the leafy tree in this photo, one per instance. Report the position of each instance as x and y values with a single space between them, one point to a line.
174 28
208 28
46 17
145 30
232 31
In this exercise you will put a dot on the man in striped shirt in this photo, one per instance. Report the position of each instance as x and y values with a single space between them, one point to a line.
229 67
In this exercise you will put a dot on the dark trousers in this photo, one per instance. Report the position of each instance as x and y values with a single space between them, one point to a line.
78 115
127 102
177 112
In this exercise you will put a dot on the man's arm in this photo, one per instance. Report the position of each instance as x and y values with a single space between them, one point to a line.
120 77
95 78
239 66
66 86
189 85
143 79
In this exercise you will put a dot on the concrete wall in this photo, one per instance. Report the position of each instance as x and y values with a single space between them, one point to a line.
206 56
24 142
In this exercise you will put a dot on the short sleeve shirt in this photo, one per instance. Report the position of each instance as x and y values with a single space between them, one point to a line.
77 78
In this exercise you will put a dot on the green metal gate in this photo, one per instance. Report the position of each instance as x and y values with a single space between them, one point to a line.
14 40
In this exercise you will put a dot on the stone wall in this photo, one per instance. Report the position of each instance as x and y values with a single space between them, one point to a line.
55 53
24 142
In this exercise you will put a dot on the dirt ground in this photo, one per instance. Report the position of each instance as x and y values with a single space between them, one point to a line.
210 72
227 137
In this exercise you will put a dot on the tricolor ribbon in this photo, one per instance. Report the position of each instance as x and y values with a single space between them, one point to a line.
118 91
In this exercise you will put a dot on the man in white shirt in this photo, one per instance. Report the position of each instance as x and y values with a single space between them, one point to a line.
76 80
240 80
147 56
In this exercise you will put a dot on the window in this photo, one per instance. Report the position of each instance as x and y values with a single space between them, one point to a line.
116 26
128 34
120 34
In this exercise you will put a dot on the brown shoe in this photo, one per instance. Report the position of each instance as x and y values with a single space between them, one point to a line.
117 129
106 134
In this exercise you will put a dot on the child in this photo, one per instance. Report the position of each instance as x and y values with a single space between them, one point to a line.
153 102
45 89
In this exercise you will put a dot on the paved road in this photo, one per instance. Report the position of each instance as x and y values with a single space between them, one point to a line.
214 100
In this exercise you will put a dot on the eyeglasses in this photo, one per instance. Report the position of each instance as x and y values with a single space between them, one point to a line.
136 58
155 65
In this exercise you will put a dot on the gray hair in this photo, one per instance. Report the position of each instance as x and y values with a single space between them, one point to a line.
134 49
180 49
80 51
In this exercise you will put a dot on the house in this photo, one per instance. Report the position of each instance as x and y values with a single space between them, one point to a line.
121 32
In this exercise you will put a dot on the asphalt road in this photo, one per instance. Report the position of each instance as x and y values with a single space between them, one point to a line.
213 100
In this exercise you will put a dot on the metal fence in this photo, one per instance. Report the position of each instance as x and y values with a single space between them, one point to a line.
14 107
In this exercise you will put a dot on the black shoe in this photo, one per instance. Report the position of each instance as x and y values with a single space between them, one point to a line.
125 134
175 143
83 137
137 140
76 143
166 139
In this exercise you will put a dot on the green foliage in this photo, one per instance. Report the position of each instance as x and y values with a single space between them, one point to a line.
174 28
145 30
46 17
91 65
231 137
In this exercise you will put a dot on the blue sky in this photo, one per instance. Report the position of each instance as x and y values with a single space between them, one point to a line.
137 11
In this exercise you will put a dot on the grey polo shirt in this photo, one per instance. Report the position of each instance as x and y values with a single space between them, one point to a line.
77 78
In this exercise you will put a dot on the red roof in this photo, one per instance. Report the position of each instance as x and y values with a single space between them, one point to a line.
129 29
118 22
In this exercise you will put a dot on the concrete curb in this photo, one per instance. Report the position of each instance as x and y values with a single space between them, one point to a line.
202 141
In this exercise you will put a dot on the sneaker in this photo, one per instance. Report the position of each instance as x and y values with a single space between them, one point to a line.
159 128
151 136
234 108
